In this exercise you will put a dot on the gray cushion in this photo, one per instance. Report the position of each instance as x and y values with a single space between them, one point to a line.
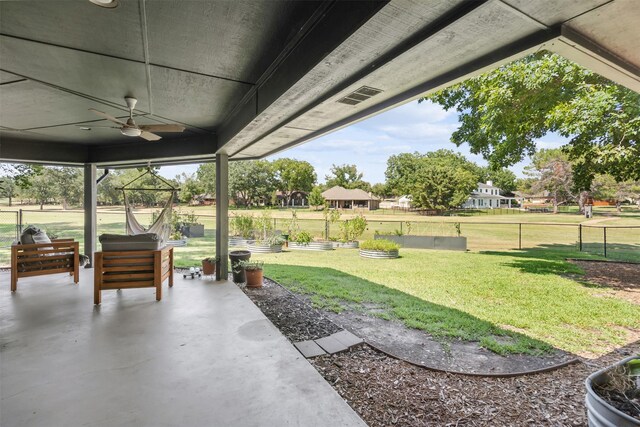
139 242
33 234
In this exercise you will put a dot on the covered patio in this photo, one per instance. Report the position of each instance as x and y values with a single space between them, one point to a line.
204 355
245 80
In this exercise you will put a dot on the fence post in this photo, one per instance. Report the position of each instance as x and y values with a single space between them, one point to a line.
580 237
326 229
401 232
20 220
519 236
604 230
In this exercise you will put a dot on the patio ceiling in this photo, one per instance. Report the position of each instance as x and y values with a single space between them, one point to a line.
253 78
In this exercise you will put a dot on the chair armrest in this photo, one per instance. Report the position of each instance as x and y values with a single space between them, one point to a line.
61 240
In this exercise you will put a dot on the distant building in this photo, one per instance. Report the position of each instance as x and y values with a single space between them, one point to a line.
298 198
342 198
486 196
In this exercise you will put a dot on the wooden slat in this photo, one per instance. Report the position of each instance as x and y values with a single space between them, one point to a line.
127 253
47 258
148 276
128 268
128 285
39 252
107 261
48 266
33 246
41 272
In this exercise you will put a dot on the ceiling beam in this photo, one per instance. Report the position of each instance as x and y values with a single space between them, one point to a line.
336 22
188 149
43 152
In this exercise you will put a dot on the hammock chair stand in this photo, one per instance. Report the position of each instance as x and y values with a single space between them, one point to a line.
126 269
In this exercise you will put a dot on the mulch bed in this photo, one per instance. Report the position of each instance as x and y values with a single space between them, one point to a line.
386 391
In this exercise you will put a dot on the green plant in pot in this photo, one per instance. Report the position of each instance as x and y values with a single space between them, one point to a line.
253 271
303 238
209 265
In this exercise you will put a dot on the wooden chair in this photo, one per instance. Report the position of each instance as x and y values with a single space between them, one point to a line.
132 269
59 256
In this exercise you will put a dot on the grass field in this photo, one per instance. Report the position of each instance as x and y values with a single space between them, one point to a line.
510 301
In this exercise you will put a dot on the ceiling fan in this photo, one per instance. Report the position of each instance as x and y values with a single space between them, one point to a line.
130 128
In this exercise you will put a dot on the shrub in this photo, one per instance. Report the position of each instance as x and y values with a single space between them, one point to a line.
352 229
242 225
379 245
303 238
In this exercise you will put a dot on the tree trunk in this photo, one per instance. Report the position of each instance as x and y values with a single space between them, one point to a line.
555 203
618 206
9 201
582 198
41 205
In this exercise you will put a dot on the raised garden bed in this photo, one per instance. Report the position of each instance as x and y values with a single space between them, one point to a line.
345 245
238 242
367 253
258 248
311 246
192 230
450 243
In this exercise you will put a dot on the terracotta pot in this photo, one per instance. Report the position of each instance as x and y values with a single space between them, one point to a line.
254 278
208 268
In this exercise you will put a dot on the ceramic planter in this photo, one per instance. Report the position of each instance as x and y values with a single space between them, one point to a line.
259 248
208 268
236 257
365 253
254 278
599 412
311 246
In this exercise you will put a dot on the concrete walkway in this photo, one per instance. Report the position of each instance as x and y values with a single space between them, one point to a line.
203 356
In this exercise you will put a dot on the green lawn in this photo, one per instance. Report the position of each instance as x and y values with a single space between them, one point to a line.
512 302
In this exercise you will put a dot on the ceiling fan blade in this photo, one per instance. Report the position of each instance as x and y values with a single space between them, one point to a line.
108 117
89 126
149 136
162 128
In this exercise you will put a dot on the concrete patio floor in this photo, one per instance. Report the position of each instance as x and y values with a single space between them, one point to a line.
203 356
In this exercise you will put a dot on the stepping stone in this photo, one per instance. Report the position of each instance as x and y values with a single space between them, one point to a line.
347 338
309 349
331 345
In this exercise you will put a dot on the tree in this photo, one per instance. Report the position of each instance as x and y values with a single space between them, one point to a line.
315 197
69 185
605 187
251 181
380 190
8 188
346 176
206 175
293 175
503 112
41 187
401 168
190 187
108 193
503 178
438 180
21 174
553 173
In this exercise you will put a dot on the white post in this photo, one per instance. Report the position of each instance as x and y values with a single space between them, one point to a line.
90 214
222 215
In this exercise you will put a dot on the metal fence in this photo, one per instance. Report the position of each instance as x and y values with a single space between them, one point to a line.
614 242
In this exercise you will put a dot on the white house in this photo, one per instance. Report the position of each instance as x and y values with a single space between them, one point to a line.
404 202
486 196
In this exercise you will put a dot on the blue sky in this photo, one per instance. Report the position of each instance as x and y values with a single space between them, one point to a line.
368 144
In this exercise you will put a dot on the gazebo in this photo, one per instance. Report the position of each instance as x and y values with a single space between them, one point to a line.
249 79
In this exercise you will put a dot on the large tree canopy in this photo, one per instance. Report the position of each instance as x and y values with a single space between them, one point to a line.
293 175
346 176
503 112
438 180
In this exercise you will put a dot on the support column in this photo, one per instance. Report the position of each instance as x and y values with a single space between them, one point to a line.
90 207
222 215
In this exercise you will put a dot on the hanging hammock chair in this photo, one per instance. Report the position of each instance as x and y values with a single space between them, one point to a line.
162 224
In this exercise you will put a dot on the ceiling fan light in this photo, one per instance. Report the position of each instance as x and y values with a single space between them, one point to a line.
130 131
110 4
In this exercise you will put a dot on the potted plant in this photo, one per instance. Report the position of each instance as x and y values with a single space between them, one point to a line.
379 248
242 227
253 271
209 265
237 257
613 395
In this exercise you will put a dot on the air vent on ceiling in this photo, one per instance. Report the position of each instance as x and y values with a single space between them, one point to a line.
359 95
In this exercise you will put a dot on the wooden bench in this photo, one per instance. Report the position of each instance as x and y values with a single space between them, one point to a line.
38 259
132 269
